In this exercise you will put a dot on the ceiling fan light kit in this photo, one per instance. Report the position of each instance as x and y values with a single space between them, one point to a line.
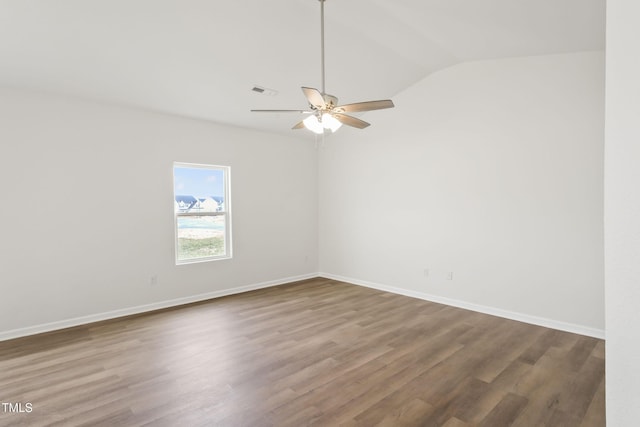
325 112
318 125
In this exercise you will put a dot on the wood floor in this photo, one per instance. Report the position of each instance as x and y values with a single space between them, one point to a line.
317 352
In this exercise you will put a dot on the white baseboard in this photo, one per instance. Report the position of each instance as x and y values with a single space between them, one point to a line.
534 320
83 320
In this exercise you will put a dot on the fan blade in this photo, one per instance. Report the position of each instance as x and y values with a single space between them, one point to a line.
298 125
364 106
350 121
314 97
281 111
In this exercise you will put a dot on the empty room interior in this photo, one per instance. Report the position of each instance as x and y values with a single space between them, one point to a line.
310 212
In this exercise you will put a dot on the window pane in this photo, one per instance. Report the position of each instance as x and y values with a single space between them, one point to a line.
200 237
198 189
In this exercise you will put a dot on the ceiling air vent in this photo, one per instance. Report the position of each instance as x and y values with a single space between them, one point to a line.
264 91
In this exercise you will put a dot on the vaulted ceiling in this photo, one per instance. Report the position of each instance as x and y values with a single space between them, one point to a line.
201 58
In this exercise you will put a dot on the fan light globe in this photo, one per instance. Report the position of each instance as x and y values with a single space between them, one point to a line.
313 124
318 125
330 122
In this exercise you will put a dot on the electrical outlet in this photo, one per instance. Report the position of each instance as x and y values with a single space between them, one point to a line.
449 275
154 280
426 272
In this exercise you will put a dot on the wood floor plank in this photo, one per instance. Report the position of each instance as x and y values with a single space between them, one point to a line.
599 350
477 410
539 346
404 414
455 422
317 352
595 415
505 412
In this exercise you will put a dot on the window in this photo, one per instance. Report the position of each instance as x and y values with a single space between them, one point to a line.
202 212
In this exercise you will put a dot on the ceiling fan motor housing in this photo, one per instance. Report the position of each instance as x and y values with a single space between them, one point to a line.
329 100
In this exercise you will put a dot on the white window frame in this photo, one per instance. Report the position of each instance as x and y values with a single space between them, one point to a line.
226 213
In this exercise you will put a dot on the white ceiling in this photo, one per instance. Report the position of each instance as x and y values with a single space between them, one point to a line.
200 58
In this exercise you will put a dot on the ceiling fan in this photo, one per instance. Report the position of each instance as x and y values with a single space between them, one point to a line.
325 113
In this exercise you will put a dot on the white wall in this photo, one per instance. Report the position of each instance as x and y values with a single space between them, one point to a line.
492 170
87 216
622 213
